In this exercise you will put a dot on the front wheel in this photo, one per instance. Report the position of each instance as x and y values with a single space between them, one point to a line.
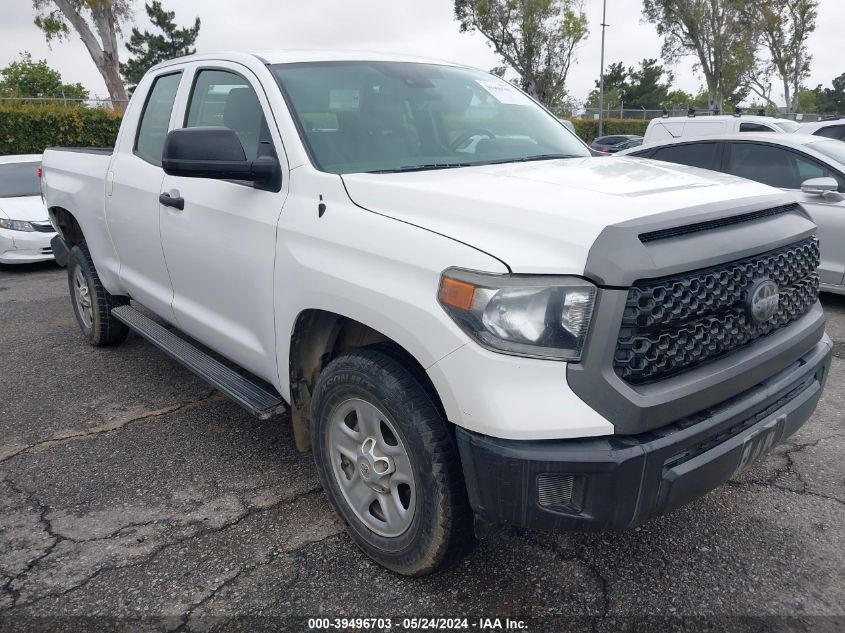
389 464
92 303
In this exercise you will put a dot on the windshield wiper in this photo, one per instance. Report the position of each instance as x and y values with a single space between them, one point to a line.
427 167
527 159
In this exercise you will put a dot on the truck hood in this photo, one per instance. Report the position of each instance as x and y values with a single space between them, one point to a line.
29 208
543 217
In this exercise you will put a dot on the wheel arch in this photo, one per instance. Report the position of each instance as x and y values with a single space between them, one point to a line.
318 337
67 225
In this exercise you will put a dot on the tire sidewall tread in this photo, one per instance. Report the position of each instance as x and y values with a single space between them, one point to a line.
105 329
441 528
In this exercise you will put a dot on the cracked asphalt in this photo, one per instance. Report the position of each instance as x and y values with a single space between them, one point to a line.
129 491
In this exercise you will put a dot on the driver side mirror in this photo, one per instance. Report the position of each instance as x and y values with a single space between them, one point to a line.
819 186
215 152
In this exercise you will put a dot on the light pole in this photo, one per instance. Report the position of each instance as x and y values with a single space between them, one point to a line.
601 75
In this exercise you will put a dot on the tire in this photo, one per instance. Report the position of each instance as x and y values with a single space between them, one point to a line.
92 303
429 522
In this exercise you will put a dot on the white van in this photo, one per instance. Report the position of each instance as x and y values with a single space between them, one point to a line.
669 128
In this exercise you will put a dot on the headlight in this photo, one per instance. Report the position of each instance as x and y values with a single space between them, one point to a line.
541 317
15 225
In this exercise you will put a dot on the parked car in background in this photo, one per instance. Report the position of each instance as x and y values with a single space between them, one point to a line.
811 167
616 142
25 229
831 128
669 128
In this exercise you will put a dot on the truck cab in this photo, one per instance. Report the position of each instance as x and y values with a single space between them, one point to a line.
470 319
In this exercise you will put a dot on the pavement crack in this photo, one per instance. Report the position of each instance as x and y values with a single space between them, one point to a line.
251 511
107 427
243 571
790 468
572 556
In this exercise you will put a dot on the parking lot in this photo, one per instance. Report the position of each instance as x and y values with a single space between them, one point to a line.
129 489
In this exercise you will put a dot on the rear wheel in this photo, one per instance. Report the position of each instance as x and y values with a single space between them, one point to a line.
92 303
389 464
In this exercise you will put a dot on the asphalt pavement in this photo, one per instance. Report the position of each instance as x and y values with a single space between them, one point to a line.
130 492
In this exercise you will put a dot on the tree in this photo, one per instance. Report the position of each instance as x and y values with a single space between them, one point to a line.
785 26
635 88
806 101
537 38
678 99
645 88
26 78
56 17
148 49
721 33
831 100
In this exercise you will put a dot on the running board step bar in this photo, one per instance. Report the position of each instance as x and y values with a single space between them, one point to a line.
256 399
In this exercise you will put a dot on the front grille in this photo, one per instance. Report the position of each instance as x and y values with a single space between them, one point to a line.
675 323
43 227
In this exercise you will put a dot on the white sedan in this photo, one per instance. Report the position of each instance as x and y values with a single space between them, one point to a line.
812 167
25 229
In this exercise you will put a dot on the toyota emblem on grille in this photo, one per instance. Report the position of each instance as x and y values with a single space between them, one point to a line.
763 299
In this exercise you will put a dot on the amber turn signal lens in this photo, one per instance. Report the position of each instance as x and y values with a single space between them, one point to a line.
458 294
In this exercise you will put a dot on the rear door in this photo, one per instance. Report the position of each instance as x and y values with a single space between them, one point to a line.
220 249
786 169
133 184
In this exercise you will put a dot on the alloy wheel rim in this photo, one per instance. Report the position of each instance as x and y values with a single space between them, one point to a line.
83 298
371 467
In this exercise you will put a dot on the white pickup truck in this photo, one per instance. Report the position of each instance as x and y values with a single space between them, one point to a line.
471 320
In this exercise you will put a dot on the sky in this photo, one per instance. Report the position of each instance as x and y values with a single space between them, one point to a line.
419 27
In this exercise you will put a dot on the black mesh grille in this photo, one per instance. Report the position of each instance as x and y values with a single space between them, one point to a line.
675 323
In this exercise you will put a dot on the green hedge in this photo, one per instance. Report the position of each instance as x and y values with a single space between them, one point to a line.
588 129
26 129
29 129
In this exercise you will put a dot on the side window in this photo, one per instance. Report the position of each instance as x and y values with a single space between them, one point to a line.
832 131
225 99
771 165
692 154
155 119
754 127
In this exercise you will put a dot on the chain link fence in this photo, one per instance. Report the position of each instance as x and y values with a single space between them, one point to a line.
646 114
94 102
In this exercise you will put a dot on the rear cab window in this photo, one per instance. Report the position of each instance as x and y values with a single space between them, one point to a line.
155 118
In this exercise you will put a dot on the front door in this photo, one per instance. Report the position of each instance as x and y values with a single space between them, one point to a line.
220 248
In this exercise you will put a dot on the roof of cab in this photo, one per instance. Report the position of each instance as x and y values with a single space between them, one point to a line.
289 56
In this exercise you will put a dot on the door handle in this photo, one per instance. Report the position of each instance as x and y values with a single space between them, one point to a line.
168 201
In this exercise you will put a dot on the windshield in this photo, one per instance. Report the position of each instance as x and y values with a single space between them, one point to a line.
400 116
19 179
831 149
787 126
